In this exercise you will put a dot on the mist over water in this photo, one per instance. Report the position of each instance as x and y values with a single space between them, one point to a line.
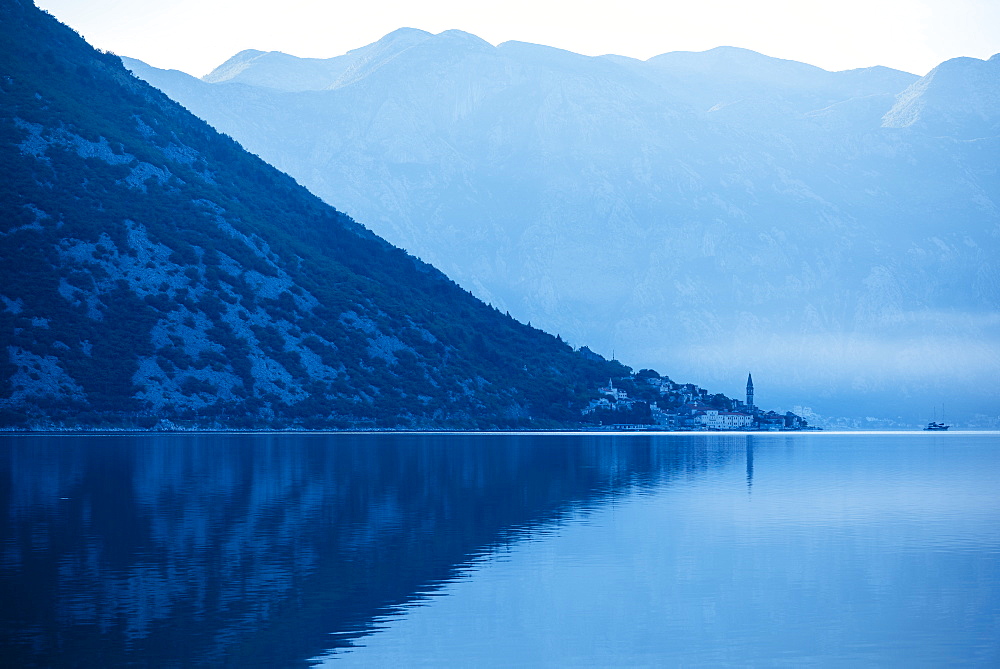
905 381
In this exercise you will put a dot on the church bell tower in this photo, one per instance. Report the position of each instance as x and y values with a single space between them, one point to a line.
750 392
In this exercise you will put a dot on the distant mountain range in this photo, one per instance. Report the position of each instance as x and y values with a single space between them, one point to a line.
836 233
153 273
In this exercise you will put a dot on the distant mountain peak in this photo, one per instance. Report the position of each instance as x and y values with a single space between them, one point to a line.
406 33
736 53
233 67
247 54
399 37
960 97
367 59
455 33
878 70
732 60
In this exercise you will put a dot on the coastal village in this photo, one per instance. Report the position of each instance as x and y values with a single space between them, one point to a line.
646 400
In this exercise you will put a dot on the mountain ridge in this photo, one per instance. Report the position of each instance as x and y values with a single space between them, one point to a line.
695 223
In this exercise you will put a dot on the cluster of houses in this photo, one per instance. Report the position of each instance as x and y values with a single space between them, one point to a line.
685 406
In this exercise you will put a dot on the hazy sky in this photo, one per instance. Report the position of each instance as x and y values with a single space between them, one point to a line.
196 35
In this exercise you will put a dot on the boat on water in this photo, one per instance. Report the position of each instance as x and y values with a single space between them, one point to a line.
936 426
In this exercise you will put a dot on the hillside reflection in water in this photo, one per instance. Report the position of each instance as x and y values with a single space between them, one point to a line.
270 549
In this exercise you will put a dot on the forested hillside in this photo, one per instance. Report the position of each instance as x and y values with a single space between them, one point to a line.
155 273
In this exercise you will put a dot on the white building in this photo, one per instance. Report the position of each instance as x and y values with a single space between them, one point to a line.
611 391
725 420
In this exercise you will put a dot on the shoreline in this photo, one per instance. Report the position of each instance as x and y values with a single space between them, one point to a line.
554 432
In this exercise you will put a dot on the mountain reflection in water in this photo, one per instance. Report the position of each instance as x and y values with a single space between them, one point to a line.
270 549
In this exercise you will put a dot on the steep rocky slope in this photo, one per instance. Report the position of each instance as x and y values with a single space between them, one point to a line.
154 272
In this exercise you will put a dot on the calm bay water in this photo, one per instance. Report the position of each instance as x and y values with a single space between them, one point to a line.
501 550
